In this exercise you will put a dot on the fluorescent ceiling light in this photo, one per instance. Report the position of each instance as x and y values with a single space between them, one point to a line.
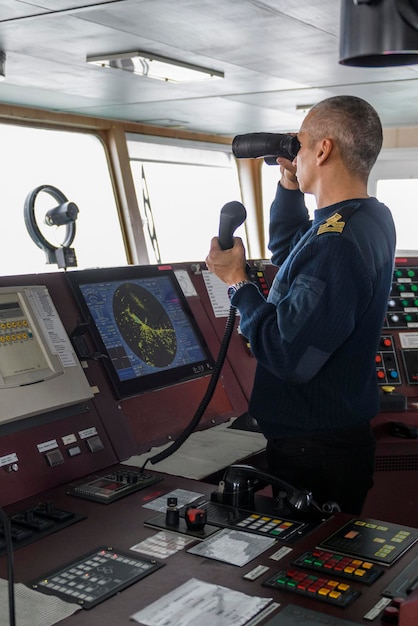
303 108
154 66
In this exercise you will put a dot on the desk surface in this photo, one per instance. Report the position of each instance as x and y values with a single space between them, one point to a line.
205 452
121 525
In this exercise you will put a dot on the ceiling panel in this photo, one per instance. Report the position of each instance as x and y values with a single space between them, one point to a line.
276 55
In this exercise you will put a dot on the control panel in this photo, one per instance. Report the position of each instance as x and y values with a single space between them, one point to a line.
388 372
114 485
30 524
397 356
96 576
48 454
403 302
69 443
63 444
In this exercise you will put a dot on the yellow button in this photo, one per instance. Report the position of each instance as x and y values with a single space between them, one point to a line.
335 595
323 591
387 388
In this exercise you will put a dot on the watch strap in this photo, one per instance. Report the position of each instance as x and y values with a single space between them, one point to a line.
232 289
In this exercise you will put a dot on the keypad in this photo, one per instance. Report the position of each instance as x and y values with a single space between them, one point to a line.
96 576
258 523
311 585
264 524
347 567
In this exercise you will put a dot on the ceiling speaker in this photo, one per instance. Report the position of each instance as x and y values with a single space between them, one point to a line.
379 33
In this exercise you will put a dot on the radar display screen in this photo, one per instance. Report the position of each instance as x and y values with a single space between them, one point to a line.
142 323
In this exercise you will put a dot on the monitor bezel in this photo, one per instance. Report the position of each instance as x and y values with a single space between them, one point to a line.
149 382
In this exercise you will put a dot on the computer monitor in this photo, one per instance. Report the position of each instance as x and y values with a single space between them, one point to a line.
142 324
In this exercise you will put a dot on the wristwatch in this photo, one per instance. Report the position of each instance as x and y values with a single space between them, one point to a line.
232 289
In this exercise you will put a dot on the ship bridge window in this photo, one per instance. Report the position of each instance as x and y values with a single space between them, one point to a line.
401 196
76 164
181 187
394 181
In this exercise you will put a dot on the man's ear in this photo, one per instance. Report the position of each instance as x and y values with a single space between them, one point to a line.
324 150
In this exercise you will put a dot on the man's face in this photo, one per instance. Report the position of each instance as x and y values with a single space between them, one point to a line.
305 159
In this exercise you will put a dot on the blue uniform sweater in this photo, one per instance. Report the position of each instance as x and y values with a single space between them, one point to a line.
315 338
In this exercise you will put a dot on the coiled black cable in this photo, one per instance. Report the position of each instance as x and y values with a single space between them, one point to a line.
206 398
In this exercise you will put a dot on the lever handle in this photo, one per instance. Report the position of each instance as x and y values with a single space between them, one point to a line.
233 214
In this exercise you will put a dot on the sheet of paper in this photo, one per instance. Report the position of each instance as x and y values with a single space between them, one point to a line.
233 546
162 544
185 282
218 294
198 602
51 325
33 608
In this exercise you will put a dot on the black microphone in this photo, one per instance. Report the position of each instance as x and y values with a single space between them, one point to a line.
233 214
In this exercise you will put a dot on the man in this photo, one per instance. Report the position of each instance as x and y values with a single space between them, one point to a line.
315 338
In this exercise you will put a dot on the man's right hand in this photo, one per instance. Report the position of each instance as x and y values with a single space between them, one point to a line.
288 174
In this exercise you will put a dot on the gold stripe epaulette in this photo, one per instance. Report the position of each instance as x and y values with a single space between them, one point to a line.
332 225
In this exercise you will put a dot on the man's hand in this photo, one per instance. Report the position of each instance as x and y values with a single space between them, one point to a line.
228 265
288 172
